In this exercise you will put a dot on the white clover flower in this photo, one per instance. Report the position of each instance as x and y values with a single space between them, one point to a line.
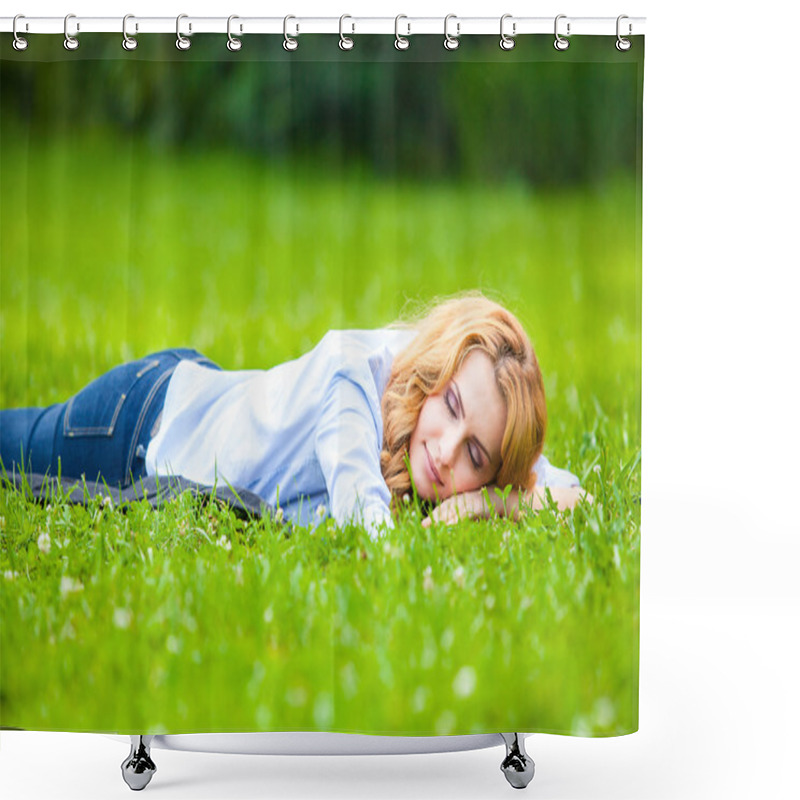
9 575
122 618
581 726
279 515
465 682
108 502
320 510
44 543
458 575
445 723
224 543
604 711
406 498
69 585
596 469
419 700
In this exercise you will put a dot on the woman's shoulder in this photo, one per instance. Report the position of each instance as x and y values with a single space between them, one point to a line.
365 343
364 356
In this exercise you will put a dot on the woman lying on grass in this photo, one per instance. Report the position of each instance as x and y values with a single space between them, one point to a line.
444 408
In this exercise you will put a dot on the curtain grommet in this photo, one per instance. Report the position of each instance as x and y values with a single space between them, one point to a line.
128 42
234 44
401 42
70 42
345 42
560 42
451 42
622 44
182 42
19 43
507 42
290 43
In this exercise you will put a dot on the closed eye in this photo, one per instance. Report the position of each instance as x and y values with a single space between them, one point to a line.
474 453
476 462
449 399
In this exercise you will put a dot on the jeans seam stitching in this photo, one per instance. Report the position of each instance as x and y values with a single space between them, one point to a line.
151 365
149 399
140 421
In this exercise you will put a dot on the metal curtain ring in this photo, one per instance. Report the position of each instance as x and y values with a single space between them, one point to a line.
345 42
182 43
289 42
622 43
234 44
400 42
19 42
128 42
70 42
507 42
560 43
451 42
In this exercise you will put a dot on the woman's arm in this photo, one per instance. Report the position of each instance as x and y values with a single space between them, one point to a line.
564 496
483 502
347 448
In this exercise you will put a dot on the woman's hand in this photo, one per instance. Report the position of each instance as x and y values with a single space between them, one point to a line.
475 505
467 505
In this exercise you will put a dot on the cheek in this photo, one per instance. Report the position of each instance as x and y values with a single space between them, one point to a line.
415 443
426 422
468 480
423 432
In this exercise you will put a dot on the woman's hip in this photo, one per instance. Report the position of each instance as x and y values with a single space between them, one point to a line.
103 431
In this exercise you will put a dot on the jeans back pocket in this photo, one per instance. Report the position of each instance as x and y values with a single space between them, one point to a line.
96 409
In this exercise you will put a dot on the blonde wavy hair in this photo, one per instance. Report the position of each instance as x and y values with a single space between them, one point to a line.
445 336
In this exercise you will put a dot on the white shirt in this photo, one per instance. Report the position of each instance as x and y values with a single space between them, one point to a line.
305 435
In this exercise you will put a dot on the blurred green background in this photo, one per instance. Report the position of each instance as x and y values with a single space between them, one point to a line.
244 204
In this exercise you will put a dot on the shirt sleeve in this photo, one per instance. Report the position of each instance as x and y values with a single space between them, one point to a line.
348 441
548 475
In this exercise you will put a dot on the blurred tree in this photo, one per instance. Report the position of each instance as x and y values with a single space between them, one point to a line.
543 117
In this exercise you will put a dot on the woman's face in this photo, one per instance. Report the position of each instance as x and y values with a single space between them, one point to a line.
456 444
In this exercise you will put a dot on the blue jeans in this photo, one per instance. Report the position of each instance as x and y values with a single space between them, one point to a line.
102 432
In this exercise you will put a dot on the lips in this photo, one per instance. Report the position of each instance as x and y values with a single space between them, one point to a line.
434 473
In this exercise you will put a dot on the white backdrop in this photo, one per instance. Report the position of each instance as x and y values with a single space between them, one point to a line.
720 695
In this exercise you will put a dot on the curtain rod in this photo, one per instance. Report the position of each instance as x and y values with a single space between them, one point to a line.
347 25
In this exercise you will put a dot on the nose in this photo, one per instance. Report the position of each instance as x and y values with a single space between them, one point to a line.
448 448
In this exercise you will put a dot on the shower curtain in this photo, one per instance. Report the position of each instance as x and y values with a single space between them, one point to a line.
244 204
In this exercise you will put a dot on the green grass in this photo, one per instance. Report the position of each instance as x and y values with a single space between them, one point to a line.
141 620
